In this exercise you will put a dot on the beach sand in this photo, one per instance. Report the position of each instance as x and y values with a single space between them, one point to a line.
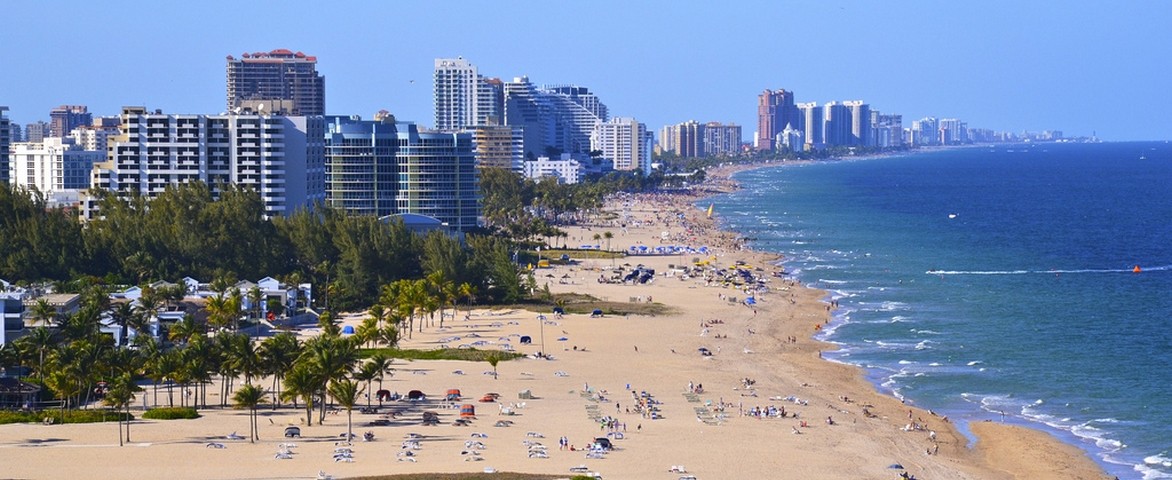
597 370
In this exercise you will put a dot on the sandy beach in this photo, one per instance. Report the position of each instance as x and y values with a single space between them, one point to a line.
717 416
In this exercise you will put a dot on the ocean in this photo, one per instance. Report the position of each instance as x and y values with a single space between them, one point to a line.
993 283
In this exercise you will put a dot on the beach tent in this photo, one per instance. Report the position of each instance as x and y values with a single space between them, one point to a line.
383 395
559 310
467 410
453 394
596 313
415 395
291 432
348 330
526 339
750 301
525 394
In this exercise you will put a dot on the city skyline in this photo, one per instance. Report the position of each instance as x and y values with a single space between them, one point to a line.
999 65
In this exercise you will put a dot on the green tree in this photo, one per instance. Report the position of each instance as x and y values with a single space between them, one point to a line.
120 396
346 392
250 397
278 354
43 313
302 382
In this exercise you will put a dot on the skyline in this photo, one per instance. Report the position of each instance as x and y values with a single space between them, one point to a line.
1067 67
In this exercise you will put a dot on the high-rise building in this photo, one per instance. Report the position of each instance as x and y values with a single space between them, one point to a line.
65 118
280 157
499 146
556 119
5 142
721 139
490 102
14 130
36 132
860 123
438 176
790 139
689 139
925 131
361 173
626 142
457 88
810 116
775 110
887 130
278 82
953 131
836 124
54 165
94 137
667 139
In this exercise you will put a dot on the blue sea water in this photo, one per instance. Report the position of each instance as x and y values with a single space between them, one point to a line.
992 283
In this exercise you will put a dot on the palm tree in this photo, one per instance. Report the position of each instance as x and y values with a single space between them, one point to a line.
442 290
250 397
607 235
183 330
43 313
378 313
468 293
345 392
221 311
331 358
493 359
244 356
255 297
368 331
381 364
40 342
278 353
302 382
367 373
120 395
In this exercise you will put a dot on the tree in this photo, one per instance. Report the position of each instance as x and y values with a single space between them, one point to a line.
367 373
346 392
330 358
39 343
255 297
302 382
381 364
250 397
278 354
120 395
607 235
43 313
493 359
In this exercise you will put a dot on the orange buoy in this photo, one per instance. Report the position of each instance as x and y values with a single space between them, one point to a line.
1136 269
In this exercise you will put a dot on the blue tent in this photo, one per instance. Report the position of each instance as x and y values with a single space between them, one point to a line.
348 330
750 301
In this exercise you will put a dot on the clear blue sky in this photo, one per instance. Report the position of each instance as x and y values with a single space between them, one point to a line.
1076 66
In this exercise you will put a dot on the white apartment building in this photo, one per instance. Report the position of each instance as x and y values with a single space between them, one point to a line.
93 137
456 91
281 157
624 141
52 166
5 140
563 170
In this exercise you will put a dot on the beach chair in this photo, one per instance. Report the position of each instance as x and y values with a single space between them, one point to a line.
214 445
579 469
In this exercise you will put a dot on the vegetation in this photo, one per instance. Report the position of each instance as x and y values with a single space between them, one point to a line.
55 416
171 413
465 354
471 476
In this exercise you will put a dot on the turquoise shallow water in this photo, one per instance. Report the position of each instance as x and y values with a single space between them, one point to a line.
994 282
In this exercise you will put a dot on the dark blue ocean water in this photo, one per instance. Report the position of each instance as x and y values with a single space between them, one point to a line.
991 281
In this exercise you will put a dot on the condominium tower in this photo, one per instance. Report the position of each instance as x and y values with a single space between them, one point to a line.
464 98
280 157
53 165
276 82
626 142
775 110
437 176
65 118
5 140
361 172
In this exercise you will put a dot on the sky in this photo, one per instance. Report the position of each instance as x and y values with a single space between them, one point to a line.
1078 66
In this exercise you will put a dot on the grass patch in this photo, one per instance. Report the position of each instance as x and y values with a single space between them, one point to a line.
171 413
557 253
466 354
585 304
58 417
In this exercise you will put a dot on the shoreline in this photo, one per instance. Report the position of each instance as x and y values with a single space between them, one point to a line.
985 436
762 400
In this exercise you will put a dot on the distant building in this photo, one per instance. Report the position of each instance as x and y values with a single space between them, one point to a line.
564 169
281 81
953 132
457 89
836 124
498 146
438 176
775 110
688 139
5 142
790 139
886 130
925 131
810 124
52 166
721 139
36 132
65 118
626 142
860 123
362 174
555 119
281 157
94 137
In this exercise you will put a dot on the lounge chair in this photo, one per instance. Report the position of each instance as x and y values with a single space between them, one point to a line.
580 469
234 436
214 445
